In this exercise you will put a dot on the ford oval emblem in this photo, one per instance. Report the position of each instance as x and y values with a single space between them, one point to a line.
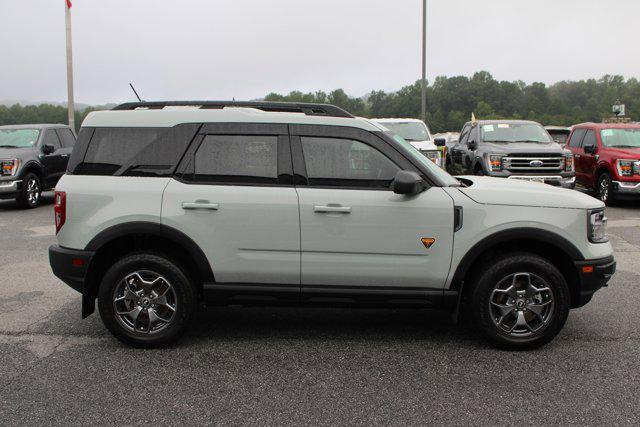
535 163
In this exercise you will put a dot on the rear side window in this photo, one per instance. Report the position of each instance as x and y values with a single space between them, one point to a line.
237 159
576 137
66 137
135 151
335 162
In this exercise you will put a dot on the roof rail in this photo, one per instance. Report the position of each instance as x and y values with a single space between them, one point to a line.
283 107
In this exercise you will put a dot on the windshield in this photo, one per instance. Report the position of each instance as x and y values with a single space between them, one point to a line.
410 131
17 138
620 138
443 176
559 136
515 132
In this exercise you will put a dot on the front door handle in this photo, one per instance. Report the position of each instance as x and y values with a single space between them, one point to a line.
64 155
200 205
332 209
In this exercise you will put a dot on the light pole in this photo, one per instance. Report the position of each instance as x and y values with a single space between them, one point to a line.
423 108
70 103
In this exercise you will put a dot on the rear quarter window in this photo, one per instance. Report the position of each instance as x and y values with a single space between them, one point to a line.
134 151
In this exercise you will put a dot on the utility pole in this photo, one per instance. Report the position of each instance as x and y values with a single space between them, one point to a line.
70 103
423 109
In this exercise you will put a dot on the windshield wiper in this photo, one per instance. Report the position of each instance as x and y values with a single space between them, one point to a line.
528 140
9 146
624 146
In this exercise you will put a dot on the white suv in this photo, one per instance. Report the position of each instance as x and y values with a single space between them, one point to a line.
417 133
167 205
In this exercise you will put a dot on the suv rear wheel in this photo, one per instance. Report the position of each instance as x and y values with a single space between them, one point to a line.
146 300
31 191
520 301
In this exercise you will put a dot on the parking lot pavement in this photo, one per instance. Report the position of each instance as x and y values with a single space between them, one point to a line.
315 366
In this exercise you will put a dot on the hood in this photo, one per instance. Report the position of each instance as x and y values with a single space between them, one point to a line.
522 147
512 192
624 153
15 153
424 145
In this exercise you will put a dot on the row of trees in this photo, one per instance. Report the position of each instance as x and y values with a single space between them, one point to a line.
450 102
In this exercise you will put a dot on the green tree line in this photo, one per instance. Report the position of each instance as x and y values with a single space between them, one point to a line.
450 102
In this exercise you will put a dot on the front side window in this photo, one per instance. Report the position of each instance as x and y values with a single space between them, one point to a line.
410 131
620 138
336 162
18 138
51 138
242 159
589 139
514 132
575 140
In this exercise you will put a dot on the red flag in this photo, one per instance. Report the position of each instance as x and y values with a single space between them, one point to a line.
69 4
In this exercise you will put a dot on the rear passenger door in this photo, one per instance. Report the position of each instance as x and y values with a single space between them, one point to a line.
68 140
54 163
357 234
234 196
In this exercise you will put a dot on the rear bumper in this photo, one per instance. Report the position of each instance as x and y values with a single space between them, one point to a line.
593 275
10 189
70 265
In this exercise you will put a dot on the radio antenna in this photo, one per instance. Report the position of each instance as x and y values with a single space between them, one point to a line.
135 92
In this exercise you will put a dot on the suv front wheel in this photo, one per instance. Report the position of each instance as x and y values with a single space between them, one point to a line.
31 191
520 301
146 300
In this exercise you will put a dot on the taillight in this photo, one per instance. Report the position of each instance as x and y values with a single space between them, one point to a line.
60 209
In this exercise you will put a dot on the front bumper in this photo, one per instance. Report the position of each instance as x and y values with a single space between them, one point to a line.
626 188
10 189
557 180
593 275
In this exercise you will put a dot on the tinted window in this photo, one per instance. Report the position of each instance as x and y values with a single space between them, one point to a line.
51 138
464 135
67 138
237 159
589 139
346 163
576 138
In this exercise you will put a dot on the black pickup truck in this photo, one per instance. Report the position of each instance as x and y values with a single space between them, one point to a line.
515 149
33 158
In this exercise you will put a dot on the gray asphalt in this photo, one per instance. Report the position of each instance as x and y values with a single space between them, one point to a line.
314 366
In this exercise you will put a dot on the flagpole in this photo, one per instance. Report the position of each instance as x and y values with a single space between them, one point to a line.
70 103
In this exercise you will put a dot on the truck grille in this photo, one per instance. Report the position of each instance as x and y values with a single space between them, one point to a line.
534 163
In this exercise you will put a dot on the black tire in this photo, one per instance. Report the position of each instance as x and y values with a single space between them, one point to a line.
184 297
28 199
604 189
500 270
479 171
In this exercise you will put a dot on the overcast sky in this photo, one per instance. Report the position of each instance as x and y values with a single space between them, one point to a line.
219 49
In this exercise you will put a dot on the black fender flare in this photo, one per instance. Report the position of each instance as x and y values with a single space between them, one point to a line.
33 165
504 236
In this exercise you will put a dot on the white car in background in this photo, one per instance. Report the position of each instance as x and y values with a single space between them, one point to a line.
417 133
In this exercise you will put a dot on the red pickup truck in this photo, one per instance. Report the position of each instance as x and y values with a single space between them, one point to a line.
607 159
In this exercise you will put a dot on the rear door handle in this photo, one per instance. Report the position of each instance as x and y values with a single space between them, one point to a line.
577 156
200 205
332 209
64 155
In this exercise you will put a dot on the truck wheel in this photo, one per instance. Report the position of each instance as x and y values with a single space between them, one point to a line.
29 197
605 189
520 301
146 301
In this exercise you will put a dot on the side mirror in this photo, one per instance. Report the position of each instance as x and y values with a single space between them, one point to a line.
48 149
440 142
472 145
407 182
590 149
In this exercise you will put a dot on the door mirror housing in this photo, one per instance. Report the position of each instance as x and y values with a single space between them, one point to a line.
590 149
408 183
48 149
440 142
472 145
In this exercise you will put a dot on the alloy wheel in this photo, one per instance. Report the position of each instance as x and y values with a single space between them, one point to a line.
603 189
145 302
33 191
521 304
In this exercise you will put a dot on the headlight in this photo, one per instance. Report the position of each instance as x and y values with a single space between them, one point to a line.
597 226
9 167
568 163
628 167
494 161
434 156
